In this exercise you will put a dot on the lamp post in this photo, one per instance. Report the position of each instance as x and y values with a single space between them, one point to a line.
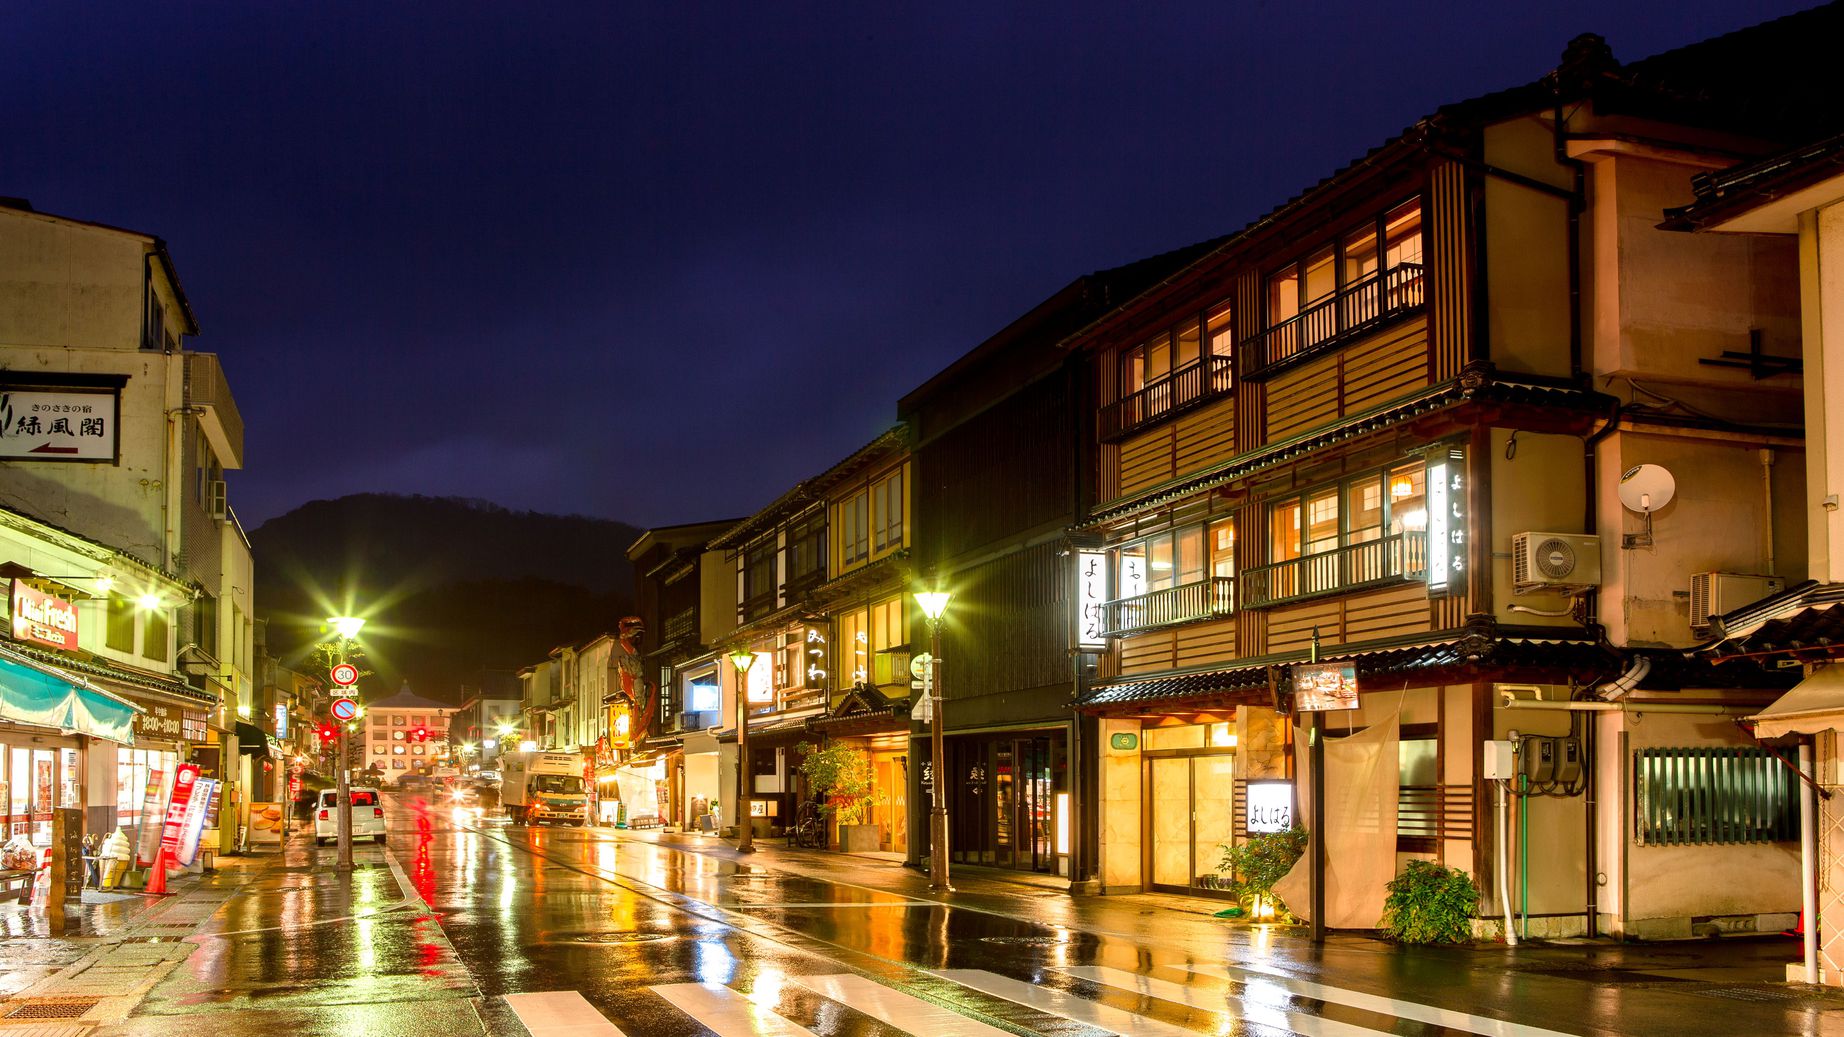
345 630
742 659
934 603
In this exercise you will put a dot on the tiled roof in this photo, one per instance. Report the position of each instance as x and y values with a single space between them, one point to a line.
96 668
1468 651
1739 188
1475 385
1801 621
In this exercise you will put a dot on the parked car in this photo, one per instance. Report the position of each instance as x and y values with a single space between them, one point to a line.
367 816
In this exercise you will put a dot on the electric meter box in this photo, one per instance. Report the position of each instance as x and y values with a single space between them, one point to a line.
1539 758
1500 761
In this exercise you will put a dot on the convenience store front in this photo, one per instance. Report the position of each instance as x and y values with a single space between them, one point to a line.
50 724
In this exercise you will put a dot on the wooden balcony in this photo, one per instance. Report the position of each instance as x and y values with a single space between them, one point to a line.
1356 309
1391 559
1207 599
1186 388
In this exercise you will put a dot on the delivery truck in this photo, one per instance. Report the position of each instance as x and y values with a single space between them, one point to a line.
543 788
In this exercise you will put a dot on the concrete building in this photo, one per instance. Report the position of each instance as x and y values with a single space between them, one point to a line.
404 735
117 433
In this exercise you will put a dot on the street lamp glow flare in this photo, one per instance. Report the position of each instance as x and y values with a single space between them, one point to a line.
742 659
934 604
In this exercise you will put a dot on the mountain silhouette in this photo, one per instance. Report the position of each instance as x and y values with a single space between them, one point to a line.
455 592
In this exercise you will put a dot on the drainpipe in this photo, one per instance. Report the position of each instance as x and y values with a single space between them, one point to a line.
1592 922
1808 864
1767 508
1504 865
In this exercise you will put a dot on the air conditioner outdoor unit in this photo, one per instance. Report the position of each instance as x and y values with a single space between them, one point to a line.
1716 594
1554 562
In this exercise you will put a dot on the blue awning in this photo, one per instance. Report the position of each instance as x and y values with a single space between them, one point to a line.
42 696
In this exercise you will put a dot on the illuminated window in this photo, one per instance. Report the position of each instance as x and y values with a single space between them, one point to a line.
396 750
887 512
397 720
854 646
886 634
855 529
118 632
1160 562
1386 508
1373 270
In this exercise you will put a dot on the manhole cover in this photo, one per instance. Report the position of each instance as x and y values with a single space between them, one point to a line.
1027 941
618 937
52 1008
1762 995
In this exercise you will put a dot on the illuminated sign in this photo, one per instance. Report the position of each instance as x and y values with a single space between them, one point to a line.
1318 687
861 658
1270 806
1132 575
281 720
816 656
39 617
1446 522
60 425
704 695
760 681
1091 594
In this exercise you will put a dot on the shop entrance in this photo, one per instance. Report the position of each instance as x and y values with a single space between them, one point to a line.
1190 817
1003 793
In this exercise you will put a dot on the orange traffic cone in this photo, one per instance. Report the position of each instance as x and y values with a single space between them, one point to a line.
156 876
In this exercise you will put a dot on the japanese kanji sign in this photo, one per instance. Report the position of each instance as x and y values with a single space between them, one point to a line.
58 425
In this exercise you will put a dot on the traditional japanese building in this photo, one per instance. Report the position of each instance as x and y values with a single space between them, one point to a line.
1361 473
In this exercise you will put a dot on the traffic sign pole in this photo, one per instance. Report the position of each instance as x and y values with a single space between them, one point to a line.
343 805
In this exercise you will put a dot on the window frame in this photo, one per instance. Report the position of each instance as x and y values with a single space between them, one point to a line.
1350 314
886 491
854 524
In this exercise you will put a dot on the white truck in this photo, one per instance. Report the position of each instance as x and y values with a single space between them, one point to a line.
538 788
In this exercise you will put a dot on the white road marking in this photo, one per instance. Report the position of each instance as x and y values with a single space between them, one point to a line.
1064 1005
904 1011
1453 1020
1275 1016
744 906
560 1013
727 1013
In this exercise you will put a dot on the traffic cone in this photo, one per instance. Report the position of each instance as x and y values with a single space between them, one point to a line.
156 876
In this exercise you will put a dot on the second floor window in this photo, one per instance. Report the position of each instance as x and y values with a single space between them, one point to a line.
759 573
807 549
119 627
1176 559
1316 541
1368 273
887 512
855 529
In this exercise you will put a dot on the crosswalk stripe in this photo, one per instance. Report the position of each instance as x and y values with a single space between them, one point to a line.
903 1011
1273 1016
1410 1010
1064 1005
727 1013
560 1013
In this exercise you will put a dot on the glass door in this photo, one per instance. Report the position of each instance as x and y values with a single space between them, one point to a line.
1005 800
1190 818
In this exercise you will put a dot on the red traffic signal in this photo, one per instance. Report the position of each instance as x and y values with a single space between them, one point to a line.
328 732
421 734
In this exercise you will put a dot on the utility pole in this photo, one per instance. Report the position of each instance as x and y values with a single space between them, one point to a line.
344 804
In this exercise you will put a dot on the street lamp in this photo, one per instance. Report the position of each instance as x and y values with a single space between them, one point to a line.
742 659
934 603
345 630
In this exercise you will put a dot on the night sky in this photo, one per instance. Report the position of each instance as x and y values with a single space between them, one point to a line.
657 262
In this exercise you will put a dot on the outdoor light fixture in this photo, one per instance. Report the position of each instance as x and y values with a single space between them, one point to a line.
742 659
933 604
149 601
347 627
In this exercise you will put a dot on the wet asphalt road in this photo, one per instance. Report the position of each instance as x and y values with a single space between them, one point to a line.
470 925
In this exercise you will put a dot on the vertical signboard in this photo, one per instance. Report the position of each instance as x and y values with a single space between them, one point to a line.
1091 595
149 836
199 807
816 655
1447 534
185 777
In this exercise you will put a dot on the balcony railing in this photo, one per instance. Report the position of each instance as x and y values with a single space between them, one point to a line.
1215 596
1357 308
1186 388
1391 559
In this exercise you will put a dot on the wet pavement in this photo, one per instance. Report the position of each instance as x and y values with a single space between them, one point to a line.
465 925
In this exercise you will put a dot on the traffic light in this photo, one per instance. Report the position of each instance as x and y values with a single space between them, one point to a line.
328 732
421 734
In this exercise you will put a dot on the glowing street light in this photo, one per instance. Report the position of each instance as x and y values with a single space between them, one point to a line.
933 604
742 659
345 630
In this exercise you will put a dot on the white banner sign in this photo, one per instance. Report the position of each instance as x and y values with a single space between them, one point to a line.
1270 806
57 425
1091 594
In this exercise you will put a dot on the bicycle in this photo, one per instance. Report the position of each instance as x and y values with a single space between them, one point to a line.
809 829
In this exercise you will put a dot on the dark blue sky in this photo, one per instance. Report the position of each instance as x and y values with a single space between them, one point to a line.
657 262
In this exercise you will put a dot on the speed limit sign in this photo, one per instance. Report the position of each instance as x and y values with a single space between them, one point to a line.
345 675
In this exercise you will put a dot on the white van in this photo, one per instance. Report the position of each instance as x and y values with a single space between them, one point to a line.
367 816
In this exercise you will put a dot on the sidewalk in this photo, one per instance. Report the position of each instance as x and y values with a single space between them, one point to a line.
1736 968
117 956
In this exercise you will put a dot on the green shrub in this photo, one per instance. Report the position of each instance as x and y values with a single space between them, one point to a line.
1261 861
841 774
1429 903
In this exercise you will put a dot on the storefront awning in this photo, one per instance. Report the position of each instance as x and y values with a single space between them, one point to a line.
42 696
1814 705
252 740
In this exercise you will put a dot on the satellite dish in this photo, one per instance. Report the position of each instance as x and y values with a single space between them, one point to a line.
1647 488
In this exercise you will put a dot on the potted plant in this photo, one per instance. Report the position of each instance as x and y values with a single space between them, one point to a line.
842 776
1258 863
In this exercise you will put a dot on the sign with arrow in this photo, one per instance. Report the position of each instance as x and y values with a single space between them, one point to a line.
924 709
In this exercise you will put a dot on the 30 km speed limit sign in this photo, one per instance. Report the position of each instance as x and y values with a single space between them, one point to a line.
345 675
